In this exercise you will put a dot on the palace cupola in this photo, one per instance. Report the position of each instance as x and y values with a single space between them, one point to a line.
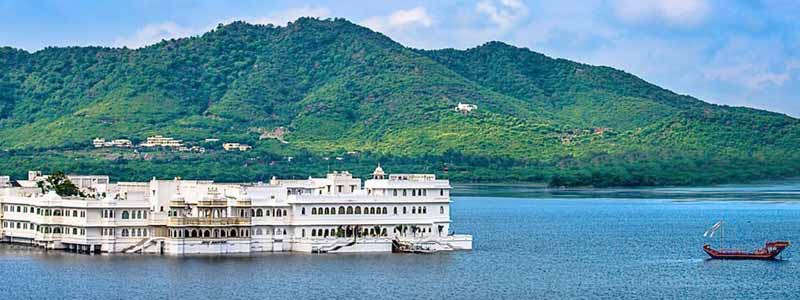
378 173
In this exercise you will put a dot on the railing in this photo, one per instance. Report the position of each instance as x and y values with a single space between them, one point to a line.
177 203
244 203
215 203
208 221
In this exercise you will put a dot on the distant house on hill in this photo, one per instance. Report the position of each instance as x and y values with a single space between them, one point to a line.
120 143
236 146
161 141
465 107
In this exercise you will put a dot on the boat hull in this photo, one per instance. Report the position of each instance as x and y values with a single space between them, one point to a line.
770 251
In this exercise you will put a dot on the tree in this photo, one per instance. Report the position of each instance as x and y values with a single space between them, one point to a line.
59 183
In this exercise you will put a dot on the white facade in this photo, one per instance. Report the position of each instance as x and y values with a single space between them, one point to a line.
332 214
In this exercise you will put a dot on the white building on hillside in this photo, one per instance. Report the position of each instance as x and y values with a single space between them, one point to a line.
408 212
465 107
161 141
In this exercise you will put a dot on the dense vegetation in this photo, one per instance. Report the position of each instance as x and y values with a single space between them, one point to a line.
344 91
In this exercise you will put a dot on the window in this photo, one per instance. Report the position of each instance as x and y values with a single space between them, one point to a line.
341 210
385 211
358 210
124 230
405 193
395 210
441 192
404 210
441 209
314 211
394 193
259 213
303 211
125 215
74 213
349 210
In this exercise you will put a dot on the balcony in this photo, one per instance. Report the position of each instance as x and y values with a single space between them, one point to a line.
179 203
244 203
195 221
212 203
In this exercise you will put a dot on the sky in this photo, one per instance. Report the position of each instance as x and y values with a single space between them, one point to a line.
733 52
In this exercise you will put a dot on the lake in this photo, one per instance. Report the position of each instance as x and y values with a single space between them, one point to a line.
530 243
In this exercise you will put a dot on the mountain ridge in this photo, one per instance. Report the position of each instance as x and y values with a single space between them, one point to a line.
340 88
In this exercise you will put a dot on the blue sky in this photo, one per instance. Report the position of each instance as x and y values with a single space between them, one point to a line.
742 53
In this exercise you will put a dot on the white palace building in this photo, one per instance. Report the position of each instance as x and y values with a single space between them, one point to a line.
400 212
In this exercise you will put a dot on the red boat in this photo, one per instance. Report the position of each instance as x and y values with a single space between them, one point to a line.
771 250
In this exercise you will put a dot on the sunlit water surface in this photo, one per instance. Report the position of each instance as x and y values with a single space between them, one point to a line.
530 243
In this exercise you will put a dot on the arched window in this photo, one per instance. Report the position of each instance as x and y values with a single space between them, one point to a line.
206 233
404 210
358 210
278 213
313 210
327 211
233 233
326 233
267 212
125 232
313 232
341 210
125 215
285 213
395 210
303 210
194 233
259 232
259 213
57 212
385 211
413 210
424 209
222 233
75 231
441 209
74 213
372 210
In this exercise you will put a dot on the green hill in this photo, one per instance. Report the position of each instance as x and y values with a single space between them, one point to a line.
350 97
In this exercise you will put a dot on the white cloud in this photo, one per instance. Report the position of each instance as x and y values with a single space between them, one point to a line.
755 63
153 33
753 76
504 14
675 12
399 20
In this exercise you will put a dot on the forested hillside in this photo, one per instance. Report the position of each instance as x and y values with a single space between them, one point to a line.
348 97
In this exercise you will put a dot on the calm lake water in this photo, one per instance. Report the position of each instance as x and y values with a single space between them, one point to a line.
530 243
